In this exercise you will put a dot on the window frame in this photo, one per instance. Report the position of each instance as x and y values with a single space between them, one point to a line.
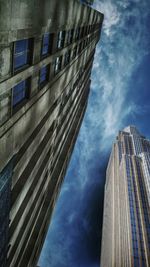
49 44
77 33
29 56
56 71
18 105
60 40
70 34
67 57
43 83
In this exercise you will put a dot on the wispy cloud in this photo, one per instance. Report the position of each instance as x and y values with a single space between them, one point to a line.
122 47
111 13
119 56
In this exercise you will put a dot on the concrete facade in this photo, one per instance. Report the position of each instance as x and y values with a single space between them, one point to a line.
39 132
126 218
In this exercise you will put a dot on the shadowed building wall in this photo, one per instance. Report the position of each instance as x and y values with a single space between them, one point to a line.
46 54
126 218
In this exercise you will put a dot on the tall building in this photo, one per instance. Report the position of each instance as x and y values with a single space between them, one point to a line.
46 53
126 219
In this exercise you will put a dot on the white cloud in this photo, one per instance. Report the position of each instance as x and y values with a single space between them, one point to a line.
111 13
118 54
121 49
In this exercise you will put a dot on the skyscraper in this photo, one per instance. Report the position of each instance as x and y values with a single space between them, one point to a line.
126 219
46 54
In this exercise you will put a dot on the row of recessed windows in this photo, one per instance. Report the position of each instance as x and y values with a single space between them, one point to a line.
23 49
22 90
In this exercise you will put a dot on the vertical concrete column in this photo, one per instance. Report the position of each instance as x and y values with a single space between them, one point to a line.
36 59
5 189
37 49
5 61
5 106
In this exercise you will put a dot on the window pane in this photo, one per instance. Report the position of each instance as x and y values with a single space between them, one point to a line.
21 45
20 60
21 53
44 74
60 39
46 38
43 71
59 44
42 77
46 44
58 64
67 57
18 97
19 92
45 50
57 60
60 35
70 36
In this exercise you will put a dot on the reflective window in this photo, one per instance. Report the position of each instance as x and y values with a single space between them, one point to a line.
57 66
46 44
77 33
22 53
67 57
61 39
70 36
20 92
44 75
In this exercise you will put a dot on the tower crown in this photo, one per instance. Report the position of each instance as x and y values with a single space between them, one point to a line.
131 129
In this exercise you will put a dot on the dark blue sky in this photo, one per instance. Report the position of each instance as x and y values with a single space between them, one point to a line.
120 95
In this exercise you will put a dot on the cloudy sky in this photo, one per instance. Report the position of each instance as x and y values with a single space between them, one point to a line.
120 95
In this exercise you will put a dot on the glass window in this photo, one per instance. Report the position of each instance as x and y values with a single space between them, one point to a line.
67 57
20 92
70 36
77 33
22 53
46 44
57 66
44 75
61 39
